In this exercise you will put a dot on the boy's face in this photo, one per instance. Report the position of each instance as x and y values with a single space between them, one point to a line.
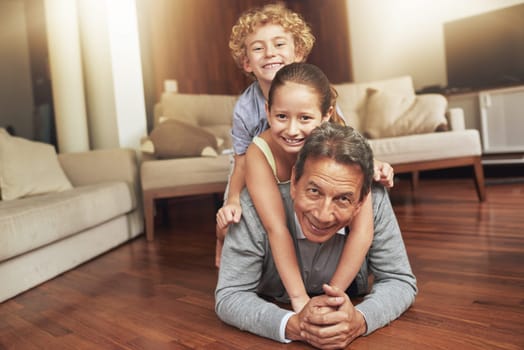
268 49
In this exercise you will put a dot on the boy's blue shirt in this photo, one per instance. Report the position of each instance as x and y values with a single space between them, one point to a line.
249 118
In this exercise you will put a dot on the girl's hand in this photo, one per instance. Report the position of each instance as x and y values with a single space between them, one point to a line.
383 173
228 214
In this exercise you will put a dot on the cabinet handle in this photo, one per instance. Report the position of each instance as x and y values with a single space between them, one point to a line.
486 100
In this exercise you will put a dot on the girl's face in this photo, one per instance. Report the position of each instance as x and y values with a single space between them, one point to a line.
294 114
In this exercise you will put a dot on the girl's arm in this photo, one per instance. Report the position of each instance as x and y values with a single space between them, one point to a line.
383 173
356 246
264 192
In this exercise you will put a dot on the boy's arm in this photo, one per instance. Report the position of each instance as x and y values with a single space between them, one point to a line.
231 210
356 246
243 127
263 189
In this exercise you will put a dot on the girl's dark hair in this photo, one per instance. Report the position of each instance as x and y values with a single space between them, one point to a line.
312 76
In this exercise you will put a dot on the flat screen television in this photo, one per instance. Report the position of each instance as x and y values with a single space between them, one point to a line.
486 50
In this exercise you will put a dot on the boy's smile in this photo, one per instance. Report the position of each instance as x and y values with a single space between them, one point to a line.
268 49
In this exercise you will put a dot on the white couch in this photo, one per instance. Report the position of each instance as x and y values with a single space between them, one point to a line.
43 235
415 152
183 176
176 177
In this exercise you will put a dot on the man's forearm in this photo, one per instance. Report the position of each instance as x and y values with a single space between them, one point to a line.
237 302
394 287
261 317
386 302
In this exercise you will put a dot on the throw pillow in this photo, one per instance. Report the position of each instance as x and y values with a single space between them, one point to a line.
29 168
390 115
383 108
176 139
427 114
189 121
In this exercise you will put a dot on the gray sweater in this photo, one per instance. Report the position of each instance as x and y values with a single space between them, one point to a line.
248 276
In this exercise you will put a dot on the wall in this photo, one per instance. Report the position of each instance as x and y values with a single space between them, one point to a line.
405 37
16 97
187 41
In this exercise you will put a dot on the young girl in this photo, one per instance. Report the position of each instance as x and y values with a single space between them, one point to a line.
300 99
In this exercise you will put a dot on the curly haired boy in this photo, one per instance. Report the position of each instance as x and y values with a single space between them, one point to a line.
262 41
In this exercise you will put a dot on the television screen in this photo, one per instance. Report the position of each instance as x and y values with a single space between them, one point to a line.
487 50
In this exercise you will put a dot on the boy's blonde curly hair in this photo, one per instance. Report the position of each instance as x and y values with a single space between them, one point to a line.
276 13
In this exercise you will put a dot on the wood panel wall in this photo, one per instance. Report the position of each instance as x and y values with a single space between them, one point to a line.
328 21
187 40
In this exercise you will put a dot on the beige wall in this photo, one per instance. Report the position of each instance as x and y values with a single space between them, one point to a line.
405 37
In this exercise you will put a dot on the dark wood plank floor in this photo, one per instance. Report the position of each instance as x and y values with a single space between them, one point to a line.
468 258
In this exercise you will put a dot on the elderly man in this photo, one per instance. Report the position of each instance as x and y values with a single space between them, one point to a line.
331 178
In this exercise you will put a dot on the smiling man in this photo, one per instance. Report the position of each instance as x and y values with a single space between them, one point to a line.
332 177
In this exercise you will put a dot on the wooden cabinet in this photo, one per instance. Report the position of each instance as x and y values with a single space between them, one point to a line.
499 116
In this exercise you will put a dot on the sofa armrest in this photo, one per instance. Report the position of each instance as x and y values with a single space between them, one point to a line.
455 118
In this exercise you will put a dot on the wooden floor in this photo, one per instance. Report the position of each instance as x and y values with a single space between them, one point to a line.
468 258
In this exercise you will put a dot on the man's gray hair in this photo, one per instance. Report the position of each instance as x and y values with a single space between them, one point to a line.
343 144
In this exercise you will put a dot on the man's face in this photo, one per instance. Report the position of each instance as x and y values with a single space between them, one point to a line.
326 197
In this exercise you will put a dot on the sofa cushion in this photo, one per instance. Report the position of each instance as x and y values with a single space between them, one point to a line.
425 147
176 139
29 223
200 109
189 171
389 114
29 168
